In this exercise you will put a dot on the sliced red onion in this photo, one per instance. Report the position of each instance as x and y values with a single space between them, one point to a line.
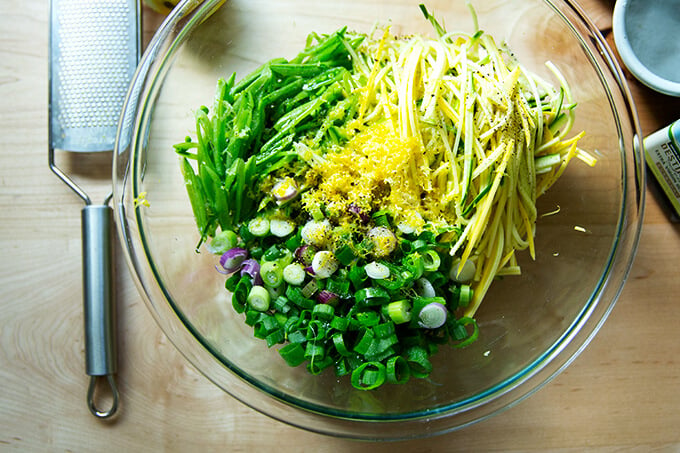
327 297
250 267
310 270
221 270
232 259
432 316
305 254
363 217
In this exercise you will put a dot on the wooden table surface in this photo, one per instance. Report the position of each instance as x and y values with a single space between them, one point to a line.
622 393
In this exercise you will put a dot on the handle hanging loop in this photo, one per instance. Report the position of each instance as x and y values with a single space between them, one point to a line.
91 397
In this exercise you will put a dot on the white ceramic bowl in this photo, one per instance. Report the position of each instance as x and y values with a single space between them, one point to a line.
647 36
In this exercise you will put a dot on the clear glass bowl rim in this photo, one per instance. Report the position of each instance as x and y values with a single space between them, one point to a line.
289 409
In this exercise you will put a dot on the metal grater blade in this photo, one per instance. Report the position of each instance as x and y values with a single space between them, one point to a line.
94 51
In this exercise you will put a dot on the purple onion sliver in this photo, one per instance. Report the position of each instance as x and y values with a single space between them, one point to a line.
231 259
327 297
221 271
304 254
354 209
250 267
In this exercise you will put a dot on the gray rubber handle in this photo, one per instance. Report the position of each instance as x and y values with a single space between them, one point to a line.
100 344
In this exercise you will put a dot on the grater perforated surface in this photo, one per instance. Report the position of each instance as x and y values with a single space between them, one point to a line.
93 56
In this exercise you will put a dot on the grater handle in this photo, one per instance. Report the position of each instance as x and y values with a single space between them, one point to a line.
100 344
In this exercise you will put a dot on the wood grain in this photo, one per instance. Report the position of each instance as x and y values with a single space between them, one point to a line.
622 393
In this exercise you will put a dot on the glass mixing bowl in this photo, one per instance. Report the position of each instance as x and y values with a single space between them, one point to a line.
531 326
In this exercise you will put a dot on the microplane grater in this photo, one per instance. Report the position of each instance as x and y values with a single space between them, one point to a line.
94 49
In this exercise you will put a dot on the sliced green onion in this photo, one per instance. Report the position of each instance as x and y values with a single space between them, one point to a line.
462 295
415 264
437 279
397 370
380 218
266 325
377 271
316 330
293 242
310 289
462 336
424 288
258 227
384 330
323 312
324 264
276 292
297 337
339 286
342 367
223 241
281 227
314 351
274 253
345 255
339 343
397 279
258 298
379 351
371 296
253 317
280 318
357 275
419 244
316 366
282 305
367 318
294 294
275 337
431 260
293 354
316 232
419 302
364 341
432 316
340 323
368 376
465 295
399 311
239 298
271 274
294 274
384 241
418 361
464 273
231 282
